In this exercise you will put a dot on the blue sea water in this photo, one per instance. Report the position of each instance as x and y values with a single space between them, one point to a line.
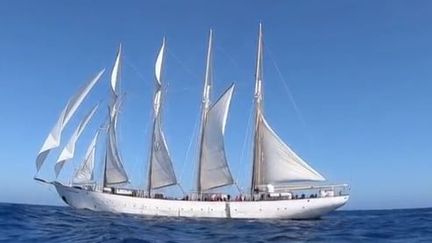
31 223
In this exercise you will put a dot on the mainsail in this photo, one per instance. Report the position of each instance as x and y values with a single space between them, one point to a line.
161 171
214 166
84 174
213 170
280 163
273 161
53 139
69 150
114 172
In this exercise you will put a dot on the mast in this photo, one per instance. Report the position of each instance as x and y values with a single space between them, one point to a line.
111 108
149 176
257 153
205 103
114 172
157 100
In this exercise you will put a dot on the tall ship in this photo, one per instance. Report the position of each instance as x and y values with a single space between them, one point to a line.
282 185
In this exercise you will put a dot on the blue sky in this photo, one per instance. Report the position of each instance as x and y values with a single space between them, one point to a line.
359 73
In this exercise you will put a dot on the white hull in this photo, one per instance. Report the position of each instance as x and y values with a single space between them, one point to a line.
289 209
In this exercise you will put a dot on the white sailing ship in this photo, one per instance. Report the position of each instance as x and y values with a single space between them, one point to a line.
283 184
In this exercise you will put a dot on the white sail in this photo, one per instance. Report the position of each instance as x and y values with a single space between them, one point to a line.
214 166
84 174
161 172
114 171
279 162
205 103
116 72
159 63
53 139
69 150
274 161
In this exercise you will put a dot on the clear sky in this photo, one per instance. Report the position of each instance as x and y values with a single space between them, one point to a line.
347 85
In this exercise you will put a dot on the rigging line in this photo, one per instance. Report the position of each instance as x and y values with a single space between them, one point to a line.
135 69
145 165
186 68
235 63
76 166
238 187
287 89
191 139
247 137
230 58
181 188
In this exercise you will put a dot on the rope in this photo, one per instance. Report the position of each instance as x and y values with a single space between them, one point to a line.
238 187
181 188
186 68
287 89
135 69
191 139
246 138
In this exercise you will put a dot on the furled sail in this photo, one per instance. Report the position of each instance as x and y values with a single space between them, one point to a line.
161 172
114 170
214 166
84 174
279 162
68 151
258 96
53 139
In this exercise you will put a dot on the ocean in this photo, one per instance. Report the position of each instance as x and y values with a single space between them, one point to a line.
32 223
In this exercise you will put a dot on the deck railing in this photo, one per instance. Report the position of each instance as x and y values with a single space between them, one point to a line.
280 192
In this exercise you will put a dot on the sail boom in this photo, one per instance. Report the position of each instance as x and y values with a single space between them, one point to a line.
163 186
219 186
114 183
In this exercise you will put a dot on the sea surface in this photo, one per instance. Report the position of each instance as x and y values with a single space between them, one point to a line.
31 223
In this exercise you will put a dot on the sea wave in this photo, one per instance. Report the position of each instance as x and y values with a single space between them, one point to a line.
25 223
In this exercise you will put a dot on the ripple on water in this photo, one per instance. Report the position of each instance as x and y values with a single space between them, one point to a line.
57 224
